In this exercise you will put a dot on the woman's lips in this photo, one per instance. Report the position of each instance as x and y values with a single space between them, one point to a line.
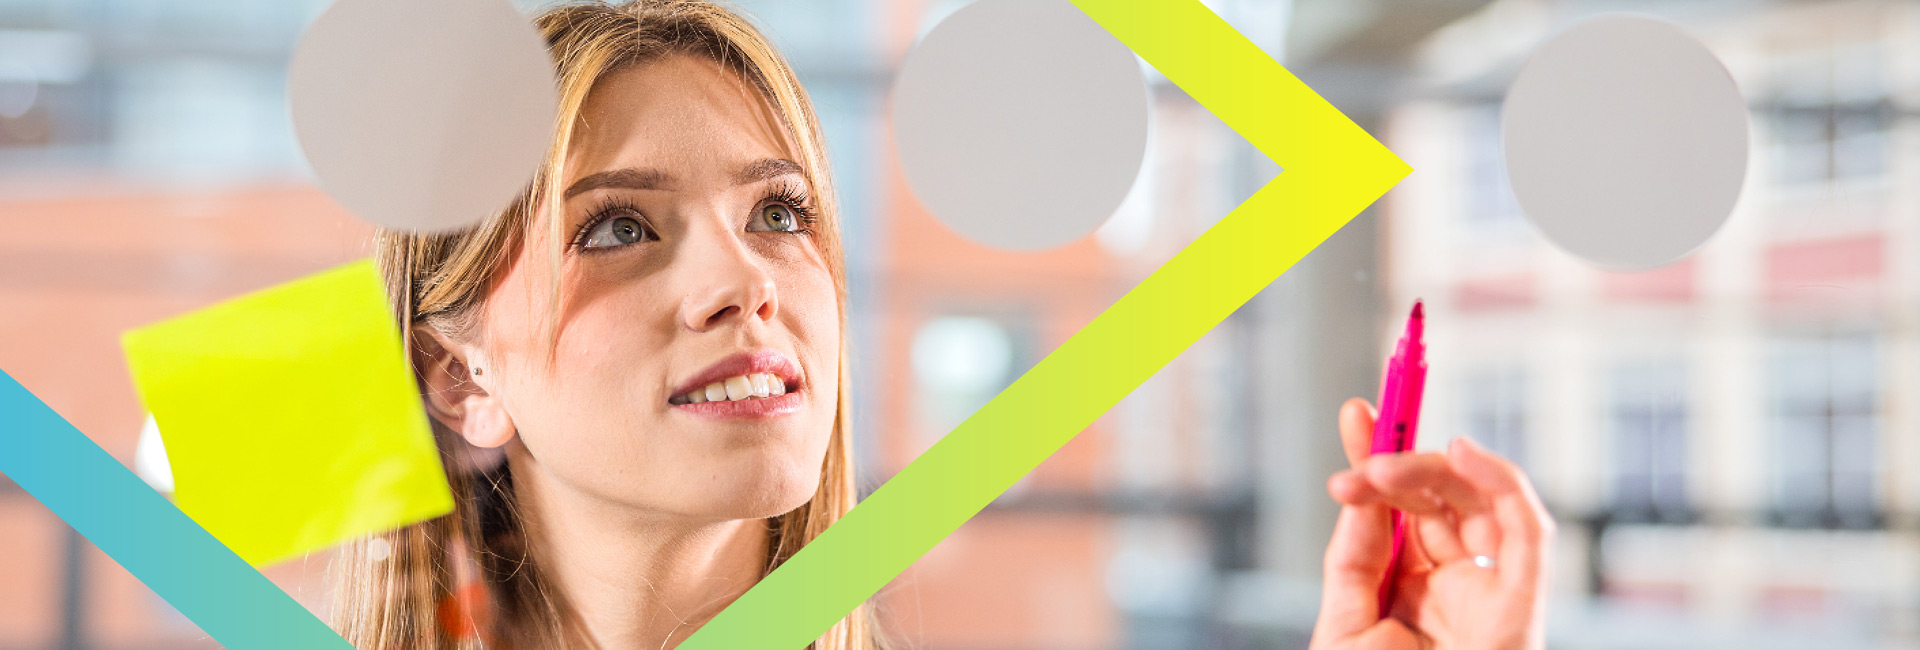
764 360
756 384
757 407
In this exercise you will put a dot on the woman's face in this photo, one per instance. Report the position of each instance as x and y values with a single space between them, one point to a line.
691 296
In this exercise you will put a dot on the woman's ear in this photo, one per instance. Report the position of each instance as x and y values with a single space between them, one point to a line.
457 394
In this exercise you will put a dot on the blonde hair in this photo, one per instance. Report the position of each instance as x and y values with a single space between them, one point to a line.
408 599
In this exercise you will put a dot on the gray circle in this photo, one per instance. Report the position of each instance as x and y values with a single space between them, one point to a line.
1626 141
427 115
1021 124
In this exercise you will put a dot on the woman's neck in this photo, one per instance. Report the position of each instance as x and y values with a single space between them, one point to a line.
635 580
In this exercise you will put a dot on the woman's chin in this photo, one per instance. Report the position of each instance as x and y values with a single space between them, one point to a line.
760 495
779 473
780 500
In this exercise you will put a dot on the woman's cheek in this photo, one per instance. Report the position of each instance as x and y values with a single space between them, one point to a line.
817 316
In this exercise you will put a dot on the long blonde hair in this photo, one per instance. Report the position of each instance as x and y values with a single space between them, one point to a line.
416 588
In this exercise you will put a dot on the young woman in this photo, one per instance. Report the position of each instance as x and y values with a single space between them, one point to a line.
638 370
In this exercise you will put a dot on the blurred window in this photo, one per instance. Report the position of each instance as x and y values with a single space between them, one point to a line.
959 362
188 119
1860 141
1829 143
175 90
1830 115
1496 410
1491 204
1647 420
1825 427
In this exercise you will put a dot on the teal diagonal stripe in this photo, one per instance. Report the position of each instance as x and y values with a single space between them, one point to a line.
146 534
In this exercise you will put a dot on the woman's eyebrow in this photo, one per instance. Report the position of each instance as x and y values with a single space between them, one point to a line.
636 178
629 178
765 168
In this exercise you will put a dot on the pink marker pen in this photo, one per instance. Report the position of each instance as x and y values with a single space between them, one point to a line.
1399 421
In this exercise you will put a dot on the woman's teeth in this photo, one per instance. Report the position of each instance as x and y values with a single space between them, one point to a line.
734 389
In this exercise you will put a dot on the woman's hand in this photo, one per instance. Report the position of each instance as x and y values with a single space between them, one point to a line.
1464 503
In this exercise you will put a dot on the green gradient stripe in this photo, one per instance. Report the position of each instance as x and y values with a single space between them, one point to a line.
1333 170
146 534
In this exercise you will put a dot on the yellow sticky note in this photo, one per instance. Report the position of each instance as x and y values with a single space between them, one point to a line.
290 416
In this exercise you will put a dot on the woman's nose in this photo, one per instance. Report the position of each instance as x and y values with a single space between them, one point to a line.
726 282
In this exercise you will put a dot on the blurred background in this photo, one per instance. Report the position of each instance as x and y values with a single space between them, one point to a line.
1731 443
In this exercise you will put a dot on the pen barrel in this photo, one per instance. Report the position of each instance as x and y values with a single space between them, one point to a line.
1386 439
1397 426
1412 386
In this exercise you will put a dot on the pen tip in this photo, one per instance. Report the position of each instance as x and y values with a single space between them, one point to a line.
1418 310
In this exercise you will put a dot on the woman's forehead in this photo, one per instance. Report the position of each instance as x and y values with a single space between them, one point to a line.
687 117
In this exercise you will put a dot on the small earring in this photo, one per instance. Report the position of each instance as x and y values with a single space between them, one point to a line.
476 371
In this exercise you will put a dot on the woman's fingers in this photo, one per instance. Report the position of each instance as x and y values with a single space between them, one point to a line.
1525 527
1356 430
1472 522
1431 537
1414 556
1356 562
1429 475
1356 487
1439 537
1418 483
1455 517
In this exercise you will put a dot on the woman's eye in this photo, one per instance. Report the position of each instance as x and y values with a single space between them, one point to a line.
618 231
776 217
